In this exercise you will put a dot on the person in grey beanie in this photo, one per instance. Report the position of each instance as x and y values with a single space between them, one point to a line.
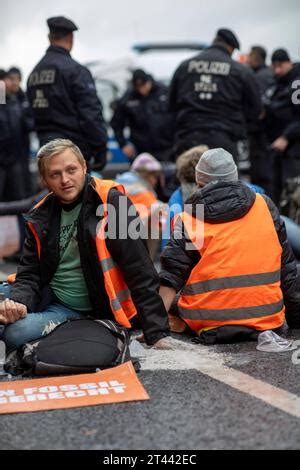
215 164
228 259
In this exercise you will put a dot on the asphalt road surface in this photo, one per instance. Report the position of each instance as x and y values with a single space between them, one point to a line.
216 397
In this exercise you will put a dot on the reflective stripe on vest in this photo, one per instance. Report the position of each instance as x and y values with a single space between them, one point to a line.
237 280
241 313
246 280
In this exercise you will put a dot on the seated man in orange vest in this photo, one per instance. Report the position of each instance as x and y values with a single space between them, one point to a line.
229 259
75 263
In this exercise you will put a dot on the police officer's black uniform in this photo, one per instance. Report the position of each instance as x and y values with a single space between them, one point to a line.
151 126
63 97
282 105
212 95
258 152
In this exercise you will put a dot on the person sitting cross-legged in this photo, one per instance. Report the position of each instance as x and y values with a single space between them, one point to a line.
229 258
74 263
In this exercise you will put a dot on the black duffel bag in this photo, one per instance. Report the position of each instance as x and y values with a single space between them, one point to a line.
73 347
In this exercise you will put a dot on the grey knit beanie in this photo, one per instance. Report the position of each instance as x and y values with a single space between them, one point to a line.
216 164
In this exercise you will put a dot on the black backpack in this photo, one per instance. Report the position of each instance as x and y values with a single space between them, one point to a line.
73 347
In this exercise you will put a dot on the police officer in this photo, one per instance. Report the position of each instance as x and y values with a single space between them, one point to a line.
15 124
63 96
143 108
259 156
282 105
212 95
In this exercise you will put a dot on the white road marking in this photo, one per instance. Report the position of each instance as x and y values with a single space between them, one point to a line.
210 363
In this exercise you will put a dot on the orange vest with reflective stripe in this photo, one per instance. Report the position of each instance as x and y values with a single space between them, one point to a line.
119 295
237 280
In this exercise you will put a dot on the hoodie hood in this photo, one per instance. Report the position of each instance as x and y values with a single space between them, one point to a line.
223 201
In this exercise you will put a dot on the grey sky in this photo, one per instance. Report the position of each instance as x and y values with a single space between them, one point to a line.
108 28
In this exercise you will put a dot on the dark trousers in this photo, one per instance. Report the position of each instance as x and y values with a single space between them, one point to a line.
285 165
211 138
261 162
11 182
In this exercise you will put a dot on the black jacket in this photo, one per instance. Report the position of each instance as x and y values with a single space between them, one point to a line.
224 202
212 91
15 123
32 283
282 106
150 124
265 79
65 104
22 205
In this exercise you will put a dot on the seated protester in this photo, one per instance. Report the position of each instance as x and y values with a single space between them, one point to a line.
140 183
74 264
234 268
185 173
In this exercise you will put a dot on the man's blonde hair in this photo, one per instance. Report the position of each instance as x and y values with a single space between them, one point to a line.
186 163
55 147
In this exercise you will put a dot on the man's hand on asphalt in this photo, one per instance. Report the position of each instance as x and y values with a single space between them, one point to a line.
11 311
163 343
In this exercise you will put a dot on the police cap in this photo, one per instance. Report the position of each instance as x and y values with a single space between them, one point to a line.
140 76
229 37
60 24
280 55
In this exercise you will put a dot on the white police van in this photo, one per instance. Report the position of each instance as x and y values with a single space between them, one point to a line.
112 79
160 60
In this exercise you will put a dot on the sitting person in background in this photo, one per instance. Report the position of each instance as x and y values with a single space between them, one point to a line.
229 258
185 173
139 184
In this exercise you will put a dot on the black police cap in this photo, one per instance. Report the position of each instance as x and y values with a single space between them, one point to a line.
140 75
280 55
61 24
229 37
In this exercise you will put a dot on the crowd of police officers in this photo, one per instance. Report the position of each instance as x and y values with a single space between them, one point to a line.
212 99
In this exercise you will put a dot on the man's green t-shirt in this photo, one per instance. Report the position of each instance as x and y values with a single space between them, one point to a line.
68 283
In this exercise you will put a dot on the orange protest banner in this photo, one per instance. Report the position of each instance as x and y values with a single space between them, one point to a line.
119 384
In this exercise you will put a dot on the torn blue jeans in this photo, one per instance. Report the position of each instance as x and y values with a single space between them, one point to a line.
35 325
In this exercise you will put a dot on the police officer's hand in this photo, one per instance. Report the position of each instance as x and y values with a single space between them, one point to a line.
280 144
11 311
129 151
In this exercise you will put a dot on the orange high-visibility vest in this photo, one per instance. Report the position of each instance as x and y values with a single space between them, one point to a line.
142 198
119 295
237 280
